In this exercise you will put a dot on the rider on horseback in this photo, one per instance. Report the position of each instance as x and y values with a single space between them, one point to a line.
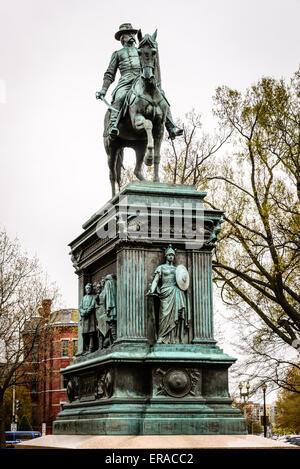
127 61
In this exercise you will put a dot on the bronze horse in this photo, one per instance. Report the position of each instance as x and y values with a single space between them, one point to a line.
142 121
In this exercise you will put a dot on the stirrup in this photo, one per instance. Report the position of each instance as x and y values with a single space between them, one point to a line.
175 132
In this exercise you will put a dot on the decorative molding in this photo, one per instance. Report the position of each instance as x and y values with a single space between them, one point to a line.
105 384
177 382
202 296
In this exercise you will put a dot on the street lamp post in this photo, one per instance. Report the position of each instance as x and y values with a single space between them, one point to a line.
14 404
245 396
13 426
264 388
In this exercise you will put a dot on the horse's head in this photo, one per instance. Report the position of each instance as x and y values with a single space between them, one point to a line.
147 51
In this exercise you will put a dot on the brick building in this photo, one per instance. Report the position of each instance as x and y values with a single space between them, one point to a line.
54 350
254 412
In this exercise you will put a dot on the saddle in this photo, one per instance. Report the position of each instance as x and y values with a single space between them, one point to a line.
132 95
129 99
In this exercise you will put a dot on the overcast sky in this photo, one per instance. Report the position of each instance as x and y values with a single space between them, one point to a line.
53 54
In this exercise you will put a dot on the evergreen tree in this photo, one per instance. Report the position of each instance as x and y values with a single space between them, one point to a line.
24 424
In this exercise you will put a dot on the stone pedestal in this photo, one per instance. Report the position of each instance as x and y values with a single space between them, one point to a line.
137 386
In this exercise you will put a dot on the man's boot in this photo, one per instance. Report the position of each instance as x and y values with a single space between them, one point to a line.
172 128
85 344
113 329
113 129
91 344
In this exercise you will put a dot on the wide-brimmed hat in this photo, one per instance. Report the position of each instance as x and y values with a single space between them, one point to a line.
124 29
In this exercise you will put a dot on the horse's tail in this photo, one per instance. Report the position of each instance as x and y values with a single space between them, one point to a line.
119 165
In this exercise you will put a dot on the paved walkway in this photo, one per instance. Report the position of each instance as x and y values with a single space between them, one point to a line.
153 442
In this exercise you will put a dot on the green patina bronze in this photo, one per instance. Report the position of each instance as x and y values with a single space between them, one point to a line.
139 109
157 368
147 360
173 310
106 311
88 319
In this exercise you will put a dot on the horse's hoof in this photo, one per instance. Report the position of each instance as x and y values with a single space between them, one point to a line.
140 176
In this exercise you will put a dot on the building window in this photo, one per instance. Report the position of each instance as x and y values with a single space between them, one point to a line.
66 316
75 343
64 382
34 353
64 348
33 384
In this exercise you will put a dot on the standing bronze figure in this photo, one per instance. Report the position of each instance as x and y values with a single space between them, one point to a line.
106 311
88 320
139 109
170 283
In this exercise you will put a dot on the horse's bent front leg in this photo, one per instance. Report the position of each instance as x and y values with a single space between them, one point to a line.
141 123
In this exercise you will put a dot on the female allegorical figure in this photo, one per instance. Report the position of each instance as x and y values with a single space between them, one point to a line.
173 314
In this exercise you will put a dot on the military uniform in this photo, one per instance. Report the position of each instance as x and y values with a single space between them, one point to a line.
127 61
88 321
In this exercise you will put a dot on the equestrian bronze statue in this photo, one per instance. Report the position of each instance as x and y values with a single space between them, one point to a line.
139 110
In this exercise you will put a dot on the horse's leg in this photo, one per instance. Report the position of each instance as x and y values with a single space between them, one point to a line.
112 155
139 122
149 155
118 166
112 180
157 144
139 152
110 151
